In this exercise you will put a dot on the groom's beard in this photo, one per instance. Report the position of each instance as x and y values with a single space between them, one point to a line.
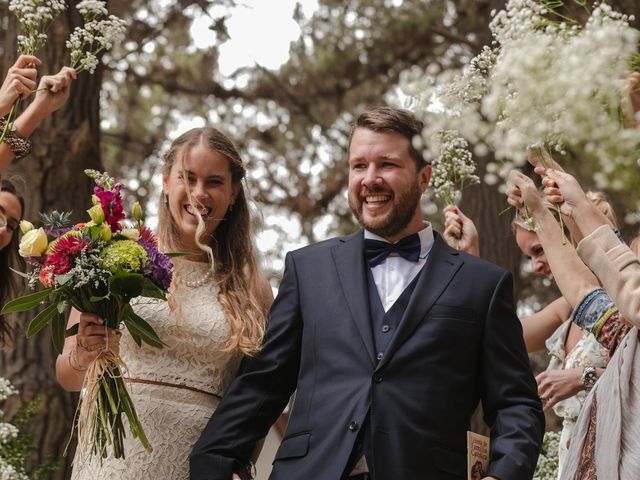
403 209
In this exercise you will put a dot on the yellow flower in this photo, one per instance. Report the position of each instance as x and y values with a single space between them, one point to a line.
136 211
105 232
26 226
97 214
33 244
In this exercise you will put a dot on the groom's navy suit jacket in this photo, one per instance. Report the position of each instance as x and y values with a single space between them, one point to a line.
458 343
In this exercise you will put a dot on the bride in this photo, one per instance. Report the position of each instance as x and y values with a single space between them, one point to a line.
214 316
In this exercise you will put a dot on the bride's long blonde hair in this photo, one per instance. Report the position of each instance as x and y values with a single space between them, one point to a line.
230 247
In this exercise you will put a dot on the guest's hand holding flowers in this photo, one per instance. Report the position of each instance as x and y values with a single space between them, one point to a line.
19 83
459 231
53 91
522 194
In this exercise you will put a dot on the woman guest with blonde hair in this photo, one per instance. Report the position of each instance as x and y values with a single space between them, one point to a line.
214 317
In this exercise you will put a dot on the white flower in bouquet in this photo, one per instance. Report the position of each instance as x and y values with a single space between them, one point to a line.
34 19
97 35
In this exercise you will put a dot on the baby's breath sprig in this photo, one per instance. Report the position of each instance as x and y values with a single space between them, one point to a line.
454 168
34 19
97 35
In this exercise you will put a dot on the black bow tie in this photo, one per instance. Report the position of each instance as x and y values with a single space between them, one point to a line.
377 251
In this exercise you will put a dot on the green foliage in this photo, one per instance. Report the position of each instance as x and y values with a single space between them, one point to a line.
19 450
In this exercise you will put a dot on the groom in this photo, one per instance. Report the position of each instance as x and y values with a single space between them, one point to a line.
389 338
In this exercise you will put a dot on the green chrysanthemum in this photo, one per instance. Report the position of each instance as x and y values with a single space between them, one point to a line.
124 255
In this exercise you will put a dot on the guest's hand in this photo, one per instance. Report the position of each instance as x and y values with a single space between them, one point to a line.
53 91
19 82
460 231
557 385
562 188
94 338
521 192
541 160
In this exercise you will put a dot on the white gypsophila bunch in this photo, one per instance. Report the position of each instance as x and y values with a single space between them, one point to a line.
541 82
6 389
34 19
450 100
9 472
7 432
97 35
547 467
563 87
453 167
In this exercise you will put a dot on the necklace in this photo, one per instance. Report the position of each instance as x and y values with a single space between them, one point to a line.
201 281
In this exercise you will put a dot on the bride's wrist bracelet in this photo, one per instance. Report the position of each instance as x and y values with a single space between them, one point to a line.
19 145
78 368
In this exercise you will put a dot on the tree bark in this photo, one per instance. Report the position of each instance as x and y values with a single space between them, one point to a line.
63 146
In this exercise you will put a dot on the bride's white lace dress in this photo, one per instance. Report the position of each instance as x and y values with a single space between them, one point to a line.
196 332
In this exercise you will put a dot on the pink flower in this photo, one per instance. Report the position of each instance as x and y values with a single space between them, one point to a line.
111 202
60 260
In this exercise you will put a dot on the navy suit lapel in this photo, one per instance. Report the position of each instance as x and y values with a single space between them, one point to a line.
441 266
350 264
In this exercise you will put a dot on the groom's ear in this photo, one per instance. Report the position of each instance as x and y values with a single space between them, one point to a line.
424 176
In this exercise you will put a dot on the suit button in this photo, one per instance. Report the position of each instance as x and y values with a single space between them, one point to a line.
353 426
377 378
385 328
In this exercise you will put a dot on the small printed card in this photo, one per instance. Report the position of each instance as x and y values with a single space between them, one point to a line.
477 456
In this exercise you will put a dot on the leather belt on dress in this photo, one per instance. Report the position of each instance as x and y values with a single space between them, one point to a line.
174 385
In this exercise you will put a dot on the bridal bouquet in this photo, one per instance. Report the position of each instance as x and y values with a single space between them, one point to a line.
96 267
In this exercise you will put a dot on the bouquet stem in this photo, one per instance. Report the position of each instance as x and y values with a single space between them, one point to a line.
106 398
10 119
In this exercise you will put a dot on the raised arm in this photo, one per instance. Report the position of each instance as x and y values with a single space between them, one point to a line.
571 275
538 327
53 93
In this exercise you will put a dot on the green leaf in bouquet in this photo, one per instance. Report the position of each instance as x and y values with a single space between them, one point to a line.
71 331
63 278
138 326
126 284
58 323
26 302
41 320
22 274
151 290
178 254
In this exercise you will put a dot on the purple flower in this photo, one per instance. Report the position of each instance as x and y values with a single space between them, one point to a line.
160 267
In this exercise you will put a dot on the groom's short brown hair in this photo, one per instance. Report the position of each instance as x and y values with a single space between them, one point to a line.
389 119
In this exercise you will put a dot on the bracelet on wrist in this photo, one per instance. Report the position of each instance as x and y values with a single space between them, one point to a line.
19 145
78 368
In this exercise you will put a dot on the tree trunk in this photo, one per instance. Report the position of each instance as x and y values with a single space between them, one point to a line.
63 146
